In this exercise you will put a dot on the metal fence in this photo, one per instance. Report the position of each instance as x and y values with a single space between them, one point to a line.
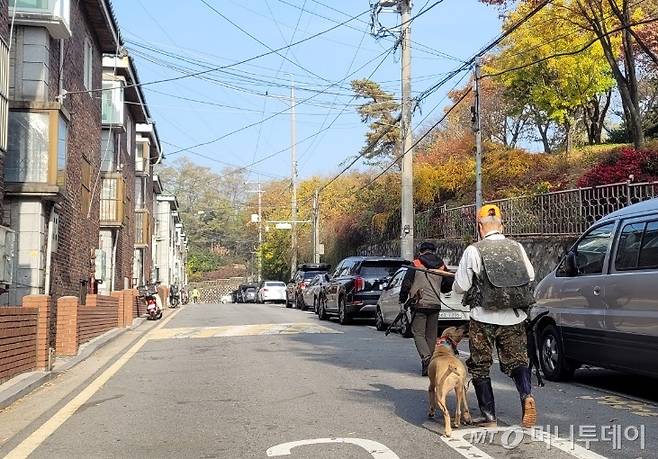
568 212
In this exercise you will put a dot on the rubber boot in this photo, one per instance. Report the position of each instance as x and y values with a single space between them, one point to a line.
522 379
425 363
485 396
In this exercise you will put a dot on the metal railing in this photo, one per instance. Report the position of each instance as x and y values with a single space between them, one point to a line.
568 212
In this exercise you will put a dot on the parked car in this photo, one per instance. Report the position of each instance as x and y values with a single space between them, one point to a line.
601 299
356 285
249 295
234 296
305 273
453 312
271 291
241 294
228 298
313 294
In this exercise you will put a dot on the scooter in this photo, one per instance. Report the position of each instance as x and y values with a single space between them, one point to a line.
184 297
150 297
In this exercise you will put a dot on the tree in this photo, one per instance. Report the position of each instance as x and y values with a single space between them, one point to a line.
560 88
213 211
381 112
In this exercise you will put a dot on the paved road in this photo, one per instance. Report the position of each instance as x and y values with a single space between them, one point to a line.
238 381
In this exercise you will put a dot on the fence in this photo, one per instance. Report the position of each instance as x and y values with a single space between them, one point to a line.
568 212
212 291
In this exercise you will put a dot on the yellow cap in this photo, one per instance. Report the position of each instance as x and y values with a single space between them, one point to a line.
489 210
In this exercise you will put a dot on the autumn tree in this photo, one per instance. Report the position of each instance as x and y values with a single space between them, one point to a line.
564 88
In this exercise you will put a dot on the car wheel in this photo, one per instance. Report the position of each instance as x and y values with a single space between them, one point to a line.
379 320
554 365
343 317
405 327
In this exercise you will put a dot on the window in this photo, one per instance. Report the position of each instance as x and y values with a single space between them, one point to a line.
112 102
129 135
62 150
88 62
36 4
4 94
649 251
85 181
28 147
107 151
628 250
638 247
140 192
378 270
592 249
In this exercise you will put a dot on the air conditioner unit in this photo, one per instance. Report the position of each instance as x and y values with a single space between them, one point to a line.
7 255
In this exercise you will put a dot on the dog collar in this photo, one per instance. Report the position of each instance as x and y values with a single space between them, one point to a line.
447 342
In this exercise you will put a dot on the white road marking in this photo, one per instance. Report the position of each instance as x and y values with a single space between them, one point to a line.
376 449
462 441
31 443
242 330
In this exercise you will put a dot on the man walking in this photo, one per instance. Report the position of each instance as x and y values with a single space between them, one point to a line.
425 289
496 275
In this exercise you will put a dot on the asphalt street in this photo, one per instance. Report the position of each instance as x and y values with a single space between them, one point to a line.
257 381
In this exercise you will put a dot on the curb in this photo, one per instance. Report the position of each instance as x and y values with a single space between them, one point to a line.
21 385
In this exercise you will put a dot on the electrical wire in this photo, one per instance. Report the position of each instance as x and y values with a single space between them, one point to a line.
235 64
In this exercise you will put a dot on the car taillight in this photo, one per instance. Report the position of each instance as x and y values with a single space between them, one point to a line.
302 286
359 284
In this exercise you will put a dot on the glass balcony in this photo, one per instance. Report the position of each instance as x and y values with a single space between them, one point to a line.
55 15
113 199
142 227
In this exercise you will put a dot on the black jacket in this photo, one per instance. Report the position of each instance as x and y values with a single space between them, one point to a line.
428 261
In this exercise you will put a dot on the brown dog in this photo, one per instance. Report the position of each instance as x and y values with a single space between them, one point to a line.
447 372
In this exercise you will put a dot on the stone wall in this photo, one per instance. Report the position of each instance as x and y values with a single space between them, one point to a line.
212 291
544 252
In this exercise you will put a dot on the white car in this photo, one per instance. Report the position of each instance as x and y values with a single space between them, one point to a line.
453 312
226 299
271 291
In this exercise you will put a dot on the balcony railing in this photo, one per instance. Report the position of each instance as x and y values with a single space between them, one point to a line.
113 200
51 14
142 227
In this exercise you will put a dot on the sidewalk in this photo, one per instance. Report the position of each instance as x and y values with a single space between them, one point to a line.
21 385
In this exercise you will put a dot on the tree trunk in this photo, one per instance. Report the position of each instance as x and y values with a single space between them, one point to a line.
543 132
568 132
626 81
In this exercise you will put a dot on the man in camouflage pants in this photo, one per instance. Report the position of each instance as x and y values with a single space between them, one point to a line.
496 275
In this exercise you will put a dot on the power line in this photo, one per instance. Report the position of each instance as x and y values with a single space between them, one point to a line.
276 114
235 64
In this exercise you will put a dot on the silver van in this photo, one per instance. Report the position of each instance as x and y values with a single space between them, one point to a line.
602 299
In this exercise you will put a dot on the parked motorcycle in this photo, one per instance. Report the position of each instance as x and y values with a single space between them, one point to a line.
150 296
174 297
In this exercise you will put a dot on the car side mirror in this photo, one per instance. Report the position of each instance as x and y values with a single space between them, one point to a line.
571 264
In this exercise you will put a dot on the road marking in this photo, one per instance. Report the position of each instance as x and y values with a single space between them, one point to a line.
31 443
462 441
241 330
625 404
376 449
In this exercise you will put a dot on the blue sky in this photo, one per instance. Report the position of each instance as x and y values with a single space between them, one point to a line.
167 40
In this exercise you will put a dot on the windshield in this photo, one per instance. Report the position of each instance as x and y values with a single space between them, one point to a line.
379 269
274 284
308 275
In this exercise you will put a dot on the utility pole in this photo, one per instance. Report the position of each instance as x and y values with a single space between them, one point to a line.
316 226
477 128
407 191
260 192
293 174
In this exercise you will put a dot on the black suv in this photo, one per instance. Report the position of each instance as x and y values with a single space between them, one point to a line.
356 286
304 275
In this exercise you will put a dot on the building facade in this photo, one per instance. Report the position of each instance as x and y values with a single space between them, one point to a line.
53 158
79 189
170 242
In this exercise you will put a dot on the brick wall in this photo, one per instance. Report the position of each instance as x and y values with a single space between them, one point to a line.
78 231
98 316
18 341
